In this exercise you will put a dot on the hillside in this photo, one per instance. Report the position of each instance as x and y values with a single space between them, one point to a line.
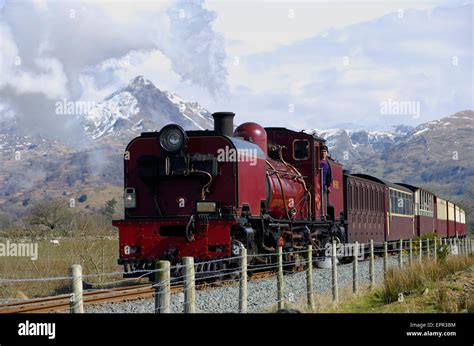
438 155
37 167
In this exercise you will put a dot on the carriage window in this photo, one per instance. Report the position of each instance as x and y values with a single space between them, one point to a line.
368 198
357 196
372 208
401 203
376 204
373 200
354 203
350 197
301 149
362 199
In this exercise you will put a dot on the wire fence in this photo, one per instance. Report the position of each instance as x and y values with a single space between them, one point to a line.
216 286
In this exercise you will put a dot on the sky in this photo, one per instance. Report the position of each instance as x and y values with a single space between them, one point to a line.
303 64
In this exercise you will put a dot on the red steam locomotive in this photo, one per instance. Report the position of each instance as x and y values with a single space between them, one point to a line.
206 194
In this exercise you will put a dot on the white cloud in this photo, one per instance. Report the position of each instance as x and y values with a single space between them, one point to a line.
185 48
106 77
258 26
408 58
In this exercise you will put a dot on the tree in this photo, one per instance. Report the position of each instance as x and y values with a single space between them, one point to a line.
109 208
51 214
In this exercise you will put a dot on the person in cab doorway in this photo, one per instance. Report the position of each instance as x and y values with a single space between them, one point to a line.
325 167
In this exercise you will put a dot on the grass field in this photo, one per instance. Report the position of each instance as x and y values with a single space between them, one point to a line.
96 255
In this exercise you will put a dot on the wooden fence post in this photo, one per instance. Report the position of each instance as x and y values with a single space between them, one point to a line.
76 302
162 287
280 282
372 265
335 293
309 278
420 250
189 286
400 254
243 282
410 245
385 259
355 272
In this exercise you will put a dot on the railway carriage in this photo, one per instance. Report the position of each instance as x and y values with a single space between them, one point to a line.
424 210
366 209
441 227
462 222
451 212
399 213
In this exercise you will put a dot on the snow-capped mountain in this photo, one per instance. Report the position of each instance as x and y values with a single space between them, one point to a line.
141 106
438 155
463 119
356 144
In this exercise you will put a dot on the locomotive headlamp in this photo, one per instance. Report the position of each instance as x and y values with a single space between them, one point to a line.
129 198
172 138
206 207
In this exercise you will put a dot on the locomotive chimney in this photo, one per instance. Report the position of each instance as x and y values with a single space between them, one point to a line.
224 123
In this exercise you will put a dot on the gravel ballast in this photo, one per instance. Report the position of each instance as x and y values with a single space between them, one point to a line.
262 293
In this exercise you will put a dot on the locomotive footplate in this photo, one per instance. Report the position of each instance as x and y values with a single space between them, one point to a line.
141 241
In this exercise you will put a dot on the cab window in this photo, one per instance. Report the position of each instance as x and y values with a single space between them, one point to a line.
301 149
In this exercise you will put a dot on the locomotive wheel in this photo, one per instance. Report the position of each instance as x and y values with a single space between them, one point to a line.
342 259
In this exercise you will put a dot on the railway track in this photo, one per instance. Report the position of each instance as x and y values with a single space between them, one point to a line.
61 303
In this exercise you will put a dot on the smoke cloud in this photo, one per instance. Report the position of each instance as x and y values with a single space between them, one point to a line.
51 49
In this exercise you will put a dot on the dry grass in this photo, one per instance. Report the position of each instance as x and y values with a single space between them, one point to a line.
443 286
412 278
97 256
